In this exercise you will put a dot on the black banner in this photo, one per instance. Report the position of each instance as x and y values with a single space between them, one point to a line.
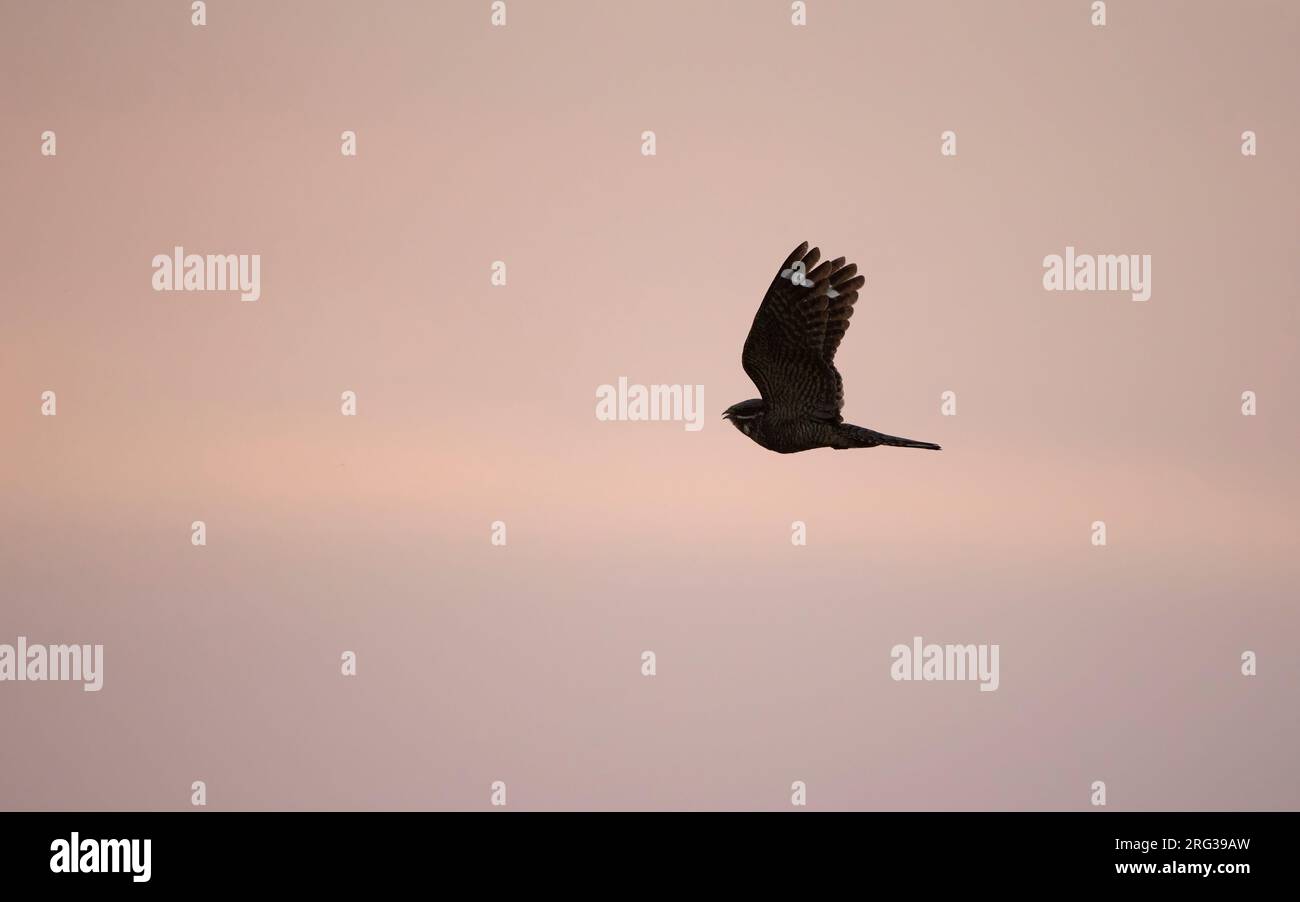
1153 852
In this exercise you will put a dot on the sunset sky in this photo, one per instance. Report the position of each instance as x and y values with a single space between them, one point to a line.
476 403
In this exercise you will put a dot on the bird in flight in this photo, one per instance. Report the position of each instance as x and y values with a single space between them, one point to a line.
790 355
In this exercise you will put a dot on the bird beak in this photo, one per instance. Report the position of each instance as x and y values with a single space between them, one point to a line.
726 415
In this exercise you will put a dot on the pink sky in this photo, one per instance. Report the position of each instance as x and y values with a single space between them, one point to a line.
476 403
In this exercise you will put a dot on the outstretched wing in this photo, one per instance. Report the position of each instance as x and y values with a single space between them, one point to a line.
790 350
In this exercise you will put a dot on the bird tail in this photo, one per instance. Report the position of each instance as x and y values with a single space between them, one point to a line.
860 437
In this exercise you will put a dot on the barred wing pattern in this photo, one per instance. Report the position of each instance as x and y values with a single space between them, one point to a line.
790 350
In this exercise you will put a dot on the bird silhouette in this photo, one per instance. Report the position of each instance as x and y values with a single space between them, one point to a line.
790 354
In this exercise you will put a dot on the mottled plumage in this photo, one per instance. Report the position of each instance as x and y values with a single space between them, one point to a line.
790 354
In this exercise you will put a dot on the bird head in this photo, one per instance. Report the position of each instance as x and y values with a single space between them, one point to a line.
745 414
